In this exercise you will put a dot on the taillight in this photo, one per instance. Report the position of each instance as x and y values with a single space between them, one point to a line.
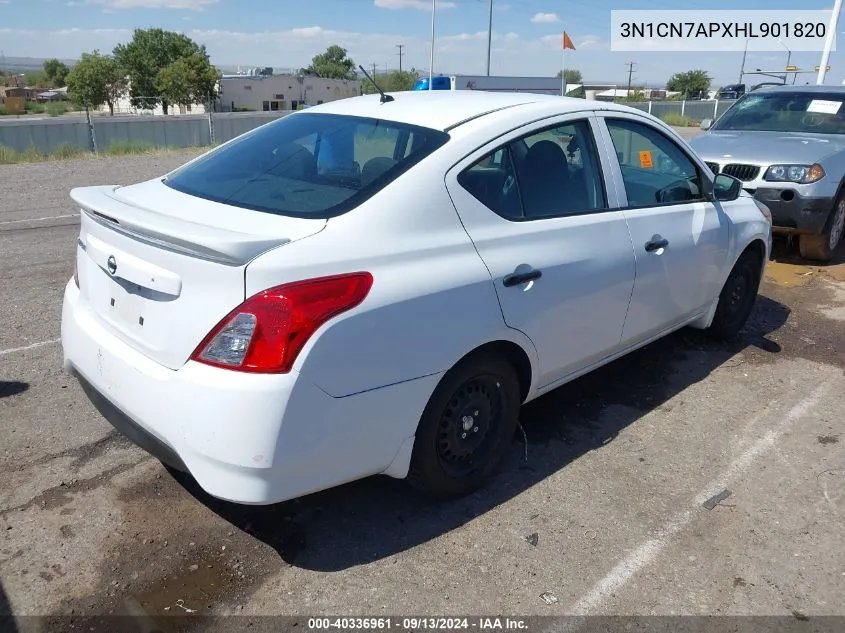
266 332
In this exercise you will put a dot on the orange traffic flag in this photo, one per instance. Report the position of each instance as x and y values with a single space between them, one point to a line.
567 43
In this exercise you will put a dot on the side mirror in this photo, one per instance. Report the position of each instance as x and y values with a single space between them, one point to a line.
726 188
706 124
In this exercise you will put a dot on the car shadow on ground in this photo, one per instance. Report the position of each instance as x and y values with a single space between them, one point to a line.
785 250
378 517
7 621
10 388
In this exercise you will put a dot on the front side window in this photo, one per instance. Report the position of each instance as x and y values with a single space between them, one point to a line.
551 173
655 169
308 165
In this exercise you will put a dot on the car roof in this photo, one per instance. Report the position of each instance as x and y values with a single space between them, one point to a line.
445 109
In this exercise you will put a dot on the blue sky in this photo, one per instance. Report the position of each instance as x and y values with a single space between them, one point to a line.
287 33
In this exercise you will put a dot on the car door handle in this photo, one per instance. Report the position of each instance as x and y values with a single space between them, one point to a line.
514 279
656 243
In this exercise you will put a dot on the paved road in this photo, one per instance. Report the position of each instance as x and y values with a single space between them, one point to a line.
608 489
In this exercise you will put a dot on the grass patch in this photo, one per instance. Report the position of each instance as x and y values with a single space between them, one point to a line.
679 120
9 156
122 148
64 151
56 108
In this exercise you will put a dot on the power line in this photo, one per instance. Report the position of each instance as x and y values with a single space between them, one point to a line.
400 47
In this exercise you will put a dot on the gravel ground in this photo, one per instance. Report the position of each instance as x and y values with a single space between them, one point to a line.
601 508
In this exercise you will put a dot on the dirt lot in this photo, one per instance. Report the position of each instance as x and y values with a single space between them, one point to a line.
602 508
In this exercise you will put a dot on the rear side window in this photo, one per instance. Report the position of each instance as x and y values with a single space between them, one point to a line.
308 165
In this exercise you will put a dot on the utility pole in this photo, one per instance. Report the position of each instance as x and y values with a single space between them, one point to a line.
744 55
400 47
489 36
431 60
630 66
374 70
828 44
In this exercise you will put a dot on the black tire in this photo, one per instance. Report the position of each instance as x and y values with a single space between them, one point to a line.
466 427
737 297
822 246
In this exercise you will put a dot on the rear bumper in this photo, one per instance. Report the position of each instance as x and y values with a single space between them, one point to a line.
797 214
247 438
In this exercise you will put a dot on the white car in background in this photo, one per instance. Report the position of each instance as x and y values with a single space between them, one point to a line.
376 286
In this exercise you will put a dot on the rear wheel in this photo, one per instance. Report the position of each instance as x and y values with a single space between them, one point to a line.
466 427
821 247
737 297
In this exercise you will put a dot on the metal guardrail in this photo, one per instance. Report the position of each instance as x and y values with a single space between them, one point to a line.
49 134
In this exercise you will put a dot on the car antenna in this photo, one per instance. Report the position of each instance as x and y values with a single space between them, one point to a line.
384 98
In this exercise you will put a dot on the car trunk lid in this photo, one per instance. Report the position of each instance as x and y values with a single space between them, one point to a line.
160 268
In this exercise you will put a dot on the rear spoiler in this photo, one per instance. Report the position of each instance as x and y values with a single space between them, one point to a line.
102 205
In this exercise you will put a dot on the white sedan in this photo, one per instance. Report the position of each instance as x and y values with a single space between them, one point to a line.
373 287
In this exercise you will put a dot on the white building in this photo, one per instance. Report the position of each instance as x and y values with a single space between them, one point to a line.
124 106
281 92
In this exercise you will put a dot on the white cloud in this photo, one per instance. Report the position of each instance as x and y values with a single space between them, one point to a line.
419 5
545 18
193 5
466 37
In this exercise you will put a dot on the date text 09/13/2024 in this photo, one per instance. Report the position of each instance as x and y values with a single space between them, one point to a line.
416 624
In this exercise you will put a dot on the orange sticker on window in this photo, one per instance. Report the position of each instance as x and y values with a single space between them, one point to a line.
645 160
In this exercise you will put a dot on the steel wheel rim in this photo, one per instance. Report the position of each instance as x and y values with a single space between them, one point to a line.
466 430
739 294
838 225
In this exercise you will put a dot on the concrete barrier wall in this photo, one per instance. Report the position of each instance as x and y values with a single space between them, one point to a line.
186 130
698 110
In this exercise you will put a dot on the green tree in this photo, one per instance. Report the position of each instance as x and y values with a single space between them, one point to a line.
149 51
96 80
692 83
267 71
395 81
334 63
187 81
573 76
35 79
56 72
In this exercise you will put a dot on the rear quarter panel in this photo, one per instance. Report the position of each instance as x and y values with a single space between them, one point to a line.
432 299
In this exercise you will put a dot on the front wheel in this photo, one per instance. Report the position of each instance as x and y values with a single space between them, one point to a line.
737 297
821 247
466 427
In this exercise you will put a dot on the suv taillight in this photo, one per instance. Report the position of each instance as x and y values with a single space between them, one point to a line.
266 332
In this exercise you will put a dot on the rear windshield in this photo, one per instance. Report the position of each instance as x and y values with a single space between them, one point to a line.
809 112
307 164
